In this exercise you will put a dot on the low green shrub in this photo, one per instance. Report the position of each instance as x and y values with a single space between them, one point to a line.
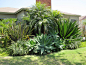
41 45
3 52
4 41
22 47
83 44
71 44
18 48
4 25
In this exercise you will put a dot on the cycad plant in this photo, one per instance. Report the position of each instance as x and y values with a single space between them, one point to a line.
67 29
69 32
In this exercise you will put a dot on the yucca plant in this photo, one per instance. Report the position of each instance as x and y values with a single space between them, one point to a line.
16 32
67 29
4 25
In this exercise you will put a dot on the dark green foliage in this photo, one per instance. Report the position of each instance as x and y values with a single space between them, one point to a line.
4 25
69 32
3 52
38 17
12 32
4 41
53 32
16 32
42 44
68 29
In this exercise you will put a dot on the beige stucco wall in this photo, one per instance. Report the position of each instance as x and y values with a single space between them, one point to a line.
72 17
20 15
66 16
7 16
76 18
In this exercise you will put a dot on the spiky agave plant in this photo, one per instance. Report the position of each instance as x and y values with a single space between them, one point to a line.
47 44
